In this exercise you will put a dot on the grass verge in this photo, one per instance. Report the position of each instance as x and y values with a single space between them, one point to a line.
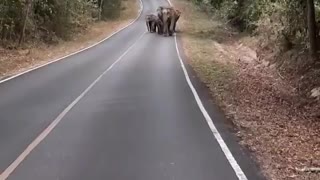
283 137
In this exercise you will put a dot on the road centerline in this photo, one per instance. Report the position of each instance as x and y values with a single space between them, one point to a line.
6 173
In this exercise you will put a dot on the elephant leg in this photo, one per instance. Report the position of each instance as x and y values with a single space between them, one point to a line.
157 28
153 27
164 28
175 23
171 26
160 29
148 26
166 31
169 29
174 26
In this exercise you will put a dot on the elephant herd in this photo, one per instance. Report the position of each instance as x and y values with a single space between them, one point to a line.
164 22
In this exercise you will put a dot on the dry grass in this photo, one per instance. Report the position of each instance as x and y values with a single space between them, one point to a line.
283 136
15 61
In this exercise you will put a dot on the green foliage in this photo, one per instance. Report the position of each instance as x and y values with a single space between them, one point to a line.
276 19
111 9
51 19
10 17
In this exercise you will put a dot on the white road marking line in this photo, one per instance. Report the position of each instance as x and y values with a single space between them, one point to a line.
240 174
5 174
237 169
56 60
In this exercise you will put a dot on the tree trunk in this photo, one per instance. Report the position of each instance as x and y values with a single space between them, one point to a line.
28 7
312 28
100 9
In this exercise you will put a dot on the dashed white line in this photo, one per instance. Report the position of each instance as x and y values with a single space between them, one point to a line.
56 121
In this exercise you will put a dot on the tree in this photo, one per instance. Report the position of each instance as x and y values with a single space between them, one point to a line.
50 20
100 9
27 10
312 28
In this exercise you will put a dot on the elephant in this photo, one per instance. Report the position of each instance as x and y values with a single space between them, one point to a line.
148 19
158 25
177 16
153 23
169 16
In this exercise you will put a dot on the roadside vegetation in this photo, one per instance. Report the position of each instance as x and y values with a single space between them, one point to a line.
33 32
260 59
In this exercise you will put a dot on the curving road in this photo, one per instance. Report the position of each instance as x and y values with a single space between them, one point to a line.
121 110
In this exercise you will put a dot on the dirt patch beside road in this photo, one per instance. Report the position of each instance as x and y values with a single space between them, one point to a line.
283 137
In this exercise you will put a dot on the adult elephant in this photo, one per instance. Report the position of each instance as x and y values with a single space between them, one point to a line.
169 17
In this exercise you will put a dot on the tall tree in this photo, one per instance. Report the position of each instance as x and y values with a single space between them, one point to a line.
27 10
100 9
312 28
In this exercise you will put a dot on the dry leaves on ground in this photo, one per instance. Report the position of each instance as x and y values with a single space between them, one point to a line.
284 137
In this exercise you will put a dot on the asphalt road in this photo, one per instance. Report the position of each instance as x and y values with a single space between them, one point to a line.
130 115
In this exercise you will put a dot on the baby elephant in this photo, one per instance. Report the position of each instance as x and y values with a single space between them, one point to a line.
154 23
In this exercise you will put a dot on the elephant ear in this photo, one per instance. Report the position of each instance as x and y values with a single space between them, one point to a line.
159 13
178 12
166 11
147 16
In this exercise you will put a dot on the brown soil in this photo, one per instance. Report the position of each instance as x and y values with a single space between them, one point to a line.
16 61
280 130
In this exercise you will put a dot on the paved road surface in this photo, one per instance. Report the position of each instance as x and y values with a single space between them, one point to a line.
137 121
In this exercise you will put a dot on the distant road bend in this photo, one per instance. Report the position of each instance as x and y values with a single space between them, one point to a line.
121 110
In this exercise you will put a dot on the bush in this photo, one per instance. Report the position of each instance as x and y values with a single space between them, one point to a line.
111 9
51 19
276 19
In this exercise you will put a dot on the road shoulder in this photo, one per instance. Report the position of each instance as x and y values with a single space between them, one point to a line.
17 61
251 96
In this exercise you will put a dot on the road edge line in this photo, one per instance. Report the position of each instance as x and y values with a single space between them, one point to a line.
76 52
6 173
232 161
